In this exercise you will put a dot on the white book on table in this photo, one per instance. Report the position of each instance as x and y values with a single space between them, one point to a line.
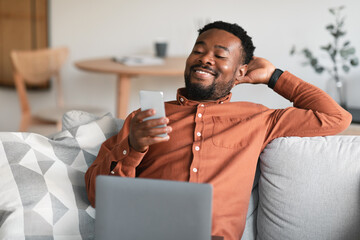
139 60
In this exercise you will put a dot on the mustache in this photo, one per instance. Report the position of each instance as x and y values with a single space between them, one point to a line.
203 67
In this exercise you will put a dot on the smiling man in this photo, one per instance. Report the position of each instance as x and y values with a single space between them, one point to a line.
206 81
210 139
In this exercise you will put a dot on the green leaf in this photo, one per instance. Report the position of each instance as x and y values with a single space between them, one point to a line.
338 34
335 34
313 62
330 27
344 53
354 61
307 53
346 68
341 33
341 23
327 47
332 11
346 43
293 50
351 50
319 69
333 54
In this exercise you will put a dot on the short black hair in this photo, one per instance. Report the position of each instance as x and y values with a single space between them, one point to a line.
239 32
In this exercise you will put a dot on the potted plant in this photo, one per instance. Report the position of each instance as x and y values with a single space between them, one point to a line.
340 52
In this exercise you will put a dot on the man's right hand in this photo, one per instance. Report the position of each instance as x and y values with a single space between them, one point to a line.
259 71
143 133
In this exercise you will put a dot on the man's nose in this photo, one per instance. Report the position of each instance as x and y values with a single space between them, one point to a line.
207 58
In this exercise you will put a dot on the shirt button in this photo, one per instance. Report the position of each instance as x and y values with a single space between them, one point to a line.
124 152
198 134
112 172
197 148
181 99
201 105
195 170
199 115
221 102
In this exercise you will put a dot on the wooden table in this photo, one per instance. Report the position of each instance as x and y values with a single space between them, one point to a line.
173 66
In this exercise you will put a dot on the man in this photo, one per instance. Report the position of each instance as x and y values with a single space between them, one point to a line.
211 139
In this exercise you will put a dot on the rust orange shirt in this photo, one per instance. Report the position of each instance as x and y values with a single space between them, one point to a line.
219 143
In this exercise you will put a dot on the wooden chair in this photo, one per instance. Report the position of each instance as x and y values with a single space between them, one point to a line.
35 68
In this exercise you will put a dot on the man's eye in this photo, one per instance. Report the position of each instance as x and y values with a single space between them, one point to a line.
196 52
218 56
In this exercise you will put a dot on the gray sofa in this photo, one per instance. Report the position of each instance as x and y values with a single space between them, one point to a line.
305 188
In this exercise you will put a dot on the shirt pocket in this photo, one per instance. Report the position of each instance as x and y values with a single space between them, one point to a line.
229 132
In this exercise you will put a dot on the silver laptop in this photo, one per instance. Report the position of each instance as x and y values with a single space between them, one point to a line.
139 209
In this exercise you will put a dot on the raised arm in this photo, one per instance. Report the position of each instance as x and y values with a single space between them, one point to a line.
314 113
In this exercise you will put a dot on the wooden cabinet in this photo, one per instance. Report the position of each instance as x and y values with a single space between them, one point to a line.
23 25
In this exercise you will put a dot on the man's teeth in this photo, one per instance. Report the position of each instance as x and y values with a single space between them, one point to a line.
202 72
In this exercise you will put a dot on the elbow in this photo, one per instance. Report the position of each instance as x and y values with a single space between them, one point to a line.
334 123
344 120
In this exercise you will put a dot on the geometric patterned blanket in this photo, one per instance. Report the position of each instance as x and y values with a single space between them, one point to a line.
42 185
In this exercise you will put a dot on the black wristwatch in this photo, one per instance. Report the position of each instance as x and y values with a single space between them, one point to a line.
274 77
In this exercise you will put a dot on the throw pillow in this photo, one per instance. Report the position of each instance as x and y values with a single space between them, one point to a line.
76 118
42 183
309 189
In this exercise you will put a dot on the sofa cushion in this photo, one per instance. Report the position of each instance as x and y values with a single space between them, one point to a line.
309 188
250 230
42 185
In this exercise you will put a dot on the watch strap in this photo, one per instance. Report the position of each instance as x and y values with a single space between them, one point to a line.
274 77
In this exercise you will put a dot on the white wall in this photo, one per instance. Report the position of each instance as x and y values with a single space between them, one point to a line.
100 28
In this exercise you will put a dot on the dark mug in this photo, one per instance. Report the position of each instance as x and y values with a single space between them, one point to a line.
160 49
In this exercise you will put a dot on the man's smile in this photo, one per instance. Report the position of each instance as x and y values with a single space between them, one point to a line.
203 72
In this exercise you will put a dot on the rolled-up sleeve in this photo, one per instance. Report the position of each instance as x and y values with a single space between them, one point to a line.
116 157
314 112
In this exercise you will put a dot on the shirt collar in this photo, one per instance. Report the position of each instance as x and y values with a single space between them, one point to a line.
182 100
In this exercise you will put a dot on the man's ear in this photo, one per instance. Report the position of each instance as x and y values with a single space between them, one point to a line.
240 73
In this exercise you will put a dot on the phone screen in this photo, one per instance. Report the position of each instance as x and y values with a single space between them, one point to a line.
153 100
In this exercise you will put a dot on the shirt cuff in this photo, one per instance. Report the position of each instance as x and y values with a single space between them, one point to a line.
127 155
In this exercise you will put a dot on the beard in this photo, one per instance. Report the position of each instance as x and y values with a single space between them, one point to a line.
198 92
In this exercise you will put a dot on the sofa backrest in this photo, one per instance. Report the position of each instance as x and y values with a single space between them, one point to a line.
309 188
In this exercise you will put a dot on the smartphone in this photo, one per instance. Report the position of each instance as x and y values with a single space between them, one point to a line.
153 100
